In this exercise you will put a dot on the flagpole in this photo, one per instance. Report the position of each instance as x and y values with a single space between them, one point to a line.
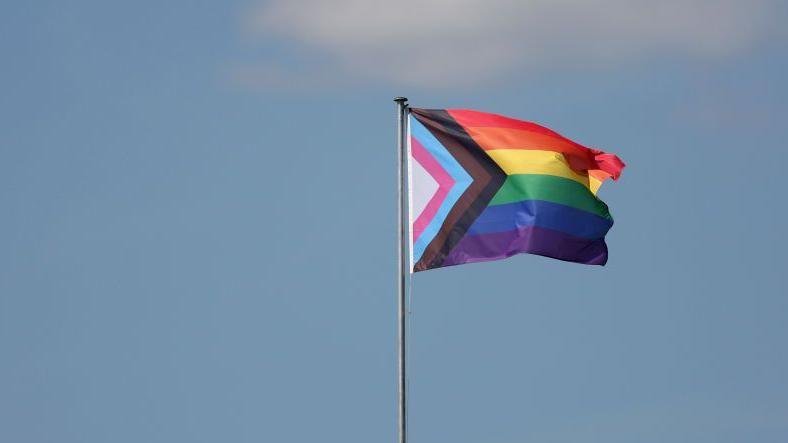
402 260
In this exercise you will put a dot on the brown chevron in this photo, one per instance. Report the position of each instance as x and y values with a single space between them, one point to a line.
487 177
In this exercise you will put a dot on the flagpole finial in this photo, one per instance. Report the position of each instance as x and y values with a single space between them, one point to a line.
400 99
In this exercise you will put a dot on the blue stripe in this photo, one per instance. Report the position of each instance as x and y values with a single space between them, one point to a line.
542 214
461 182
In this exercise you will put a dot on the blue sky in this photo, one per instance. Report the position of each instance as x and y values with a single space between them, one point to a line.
199 224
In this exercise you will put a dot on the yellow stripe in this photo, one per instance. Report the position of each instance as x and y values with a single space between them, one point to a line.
595 184
527 161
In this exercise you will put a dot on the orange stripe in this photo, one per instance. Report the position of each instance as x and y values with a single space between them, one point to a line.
508 138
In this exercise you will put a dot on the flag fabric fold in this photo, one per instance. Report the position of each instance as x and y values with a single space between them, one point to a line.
485 187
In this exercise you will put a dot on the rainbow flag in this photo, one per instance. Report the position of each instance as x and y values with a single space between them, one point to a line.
485 187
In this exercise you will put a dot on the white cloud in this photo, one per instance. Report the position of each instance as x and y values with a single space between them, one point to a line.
468 42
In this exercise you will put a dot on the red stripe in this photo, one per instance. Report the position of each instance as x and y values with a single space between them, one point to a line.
469 118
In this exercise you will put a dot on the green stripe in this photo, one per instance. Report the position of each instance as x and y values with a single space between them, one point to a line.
518 187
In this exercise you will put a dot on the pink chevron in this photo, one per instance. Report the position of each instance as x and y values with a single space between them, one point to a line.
444 180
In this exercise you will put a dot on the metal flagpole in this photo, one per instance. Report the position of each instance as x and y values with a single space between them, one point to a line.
403 260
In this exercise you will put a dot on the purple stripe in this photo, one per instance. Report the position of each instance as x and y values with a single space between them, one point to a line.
531 240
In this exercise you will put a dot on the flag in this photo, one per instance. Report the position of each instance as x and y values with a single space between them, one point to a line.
485 187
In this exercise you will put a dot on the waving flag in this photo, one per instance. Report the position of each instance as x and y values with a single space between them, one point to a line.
485 187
